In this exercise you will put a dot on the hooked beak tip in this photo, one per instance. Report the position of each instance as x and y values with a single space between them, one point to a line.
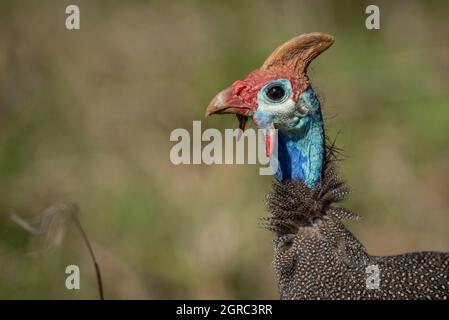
218 103
208 113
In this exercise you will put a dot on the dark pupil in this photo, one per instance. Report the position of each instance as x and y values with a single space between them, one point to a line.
276 93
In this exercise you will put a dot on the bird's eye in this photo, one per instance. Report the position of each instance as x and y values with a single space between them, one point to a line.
275 93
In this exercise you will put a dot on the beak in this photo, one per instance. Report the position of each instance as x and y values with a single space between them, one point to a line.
225 103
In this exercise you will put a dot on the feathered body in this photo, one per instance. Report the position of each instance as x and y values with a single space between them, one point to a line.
316 257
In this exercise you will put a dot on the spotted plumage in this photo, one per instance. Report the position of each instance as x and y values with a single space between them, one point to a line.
316 257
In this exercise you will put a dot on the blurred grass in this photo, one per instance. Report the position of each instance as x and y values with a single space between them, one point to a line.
85 116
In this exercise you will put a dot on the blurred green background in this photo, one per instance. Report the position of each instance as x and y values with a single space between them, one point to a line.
85 116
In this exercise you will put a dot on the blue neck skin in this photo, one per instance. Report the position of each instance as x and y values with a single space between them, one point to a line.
301 147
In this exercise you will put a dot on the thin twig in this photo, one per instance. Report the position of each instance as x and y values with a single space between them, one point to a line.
92 255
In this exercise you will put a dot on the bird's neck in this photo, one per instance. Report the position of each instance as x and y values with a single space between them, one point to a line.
301 152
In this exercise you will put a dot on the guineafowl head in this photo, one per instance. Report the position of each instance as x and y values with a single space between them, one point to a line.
279 96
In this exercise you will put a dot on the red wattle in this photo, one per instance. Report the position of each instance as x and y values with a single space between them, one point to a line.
268 145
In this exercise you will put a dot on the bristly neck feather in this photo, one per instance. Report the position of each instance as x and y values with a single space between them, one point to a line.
301 150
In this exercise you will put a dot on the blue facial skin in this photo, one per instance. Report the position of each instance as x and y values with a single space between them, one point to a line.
300 139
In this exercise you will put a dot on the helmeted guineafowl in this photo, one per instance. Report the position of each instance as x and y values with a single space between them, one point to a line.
316 257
